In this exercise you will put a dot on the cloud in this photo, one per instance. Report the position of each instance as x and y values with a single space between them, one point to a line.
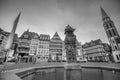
49 16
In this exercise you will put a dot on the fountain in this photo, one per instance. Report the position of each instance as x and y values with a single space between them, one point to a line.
69 71
70 44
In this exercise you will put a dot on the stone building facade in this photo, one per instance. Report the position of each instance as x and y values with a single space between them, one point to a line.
43 48
112 34
24 46
96 51
56 48
33 47
3 38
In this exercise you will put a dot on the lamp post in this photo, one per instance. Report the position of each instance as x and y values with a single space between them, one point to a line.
34 60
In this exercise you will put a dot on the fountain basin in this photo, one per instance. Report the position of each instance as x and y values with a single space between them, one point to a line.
69 72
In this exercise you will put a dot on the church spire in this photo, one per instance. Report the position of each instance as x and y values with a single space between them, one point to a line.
16 23
11 36
104 14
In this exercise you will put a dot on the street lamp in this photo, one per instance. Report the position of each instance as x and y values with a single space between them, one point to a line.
34 60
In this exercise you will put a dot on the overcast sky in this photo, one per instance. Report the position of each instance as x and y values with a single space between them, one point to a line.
49 16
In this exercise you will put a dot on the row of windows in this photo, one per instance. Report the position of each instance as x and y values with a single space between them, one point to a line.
43 52
96 58
51 42
45 38
24 44
32 52
94 48
53 45
110 25
23 49
43 42
111 33
44 46
34 43
33 47
114 47
94 51
56 50
42 58
40 46
58 46
40 42
40 51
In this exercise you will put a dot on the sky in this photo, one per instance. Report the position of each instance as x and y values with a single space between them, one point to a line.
50 16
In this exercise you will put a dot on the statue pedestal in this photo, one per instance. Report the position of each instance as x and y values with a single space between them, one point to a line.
72 72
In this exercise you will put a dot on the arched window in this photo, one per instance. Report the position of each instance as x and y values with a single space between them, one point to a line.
117 57
110 33
113 32
111 25
115 47
107 26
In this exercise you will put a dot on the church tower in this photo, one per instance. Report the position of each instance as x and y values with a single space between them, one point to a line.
110 30
112 33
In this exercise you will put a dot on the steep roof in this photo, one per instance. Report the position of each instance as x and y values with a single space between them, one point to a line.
56 37
44 37
92 43
29 35
104 14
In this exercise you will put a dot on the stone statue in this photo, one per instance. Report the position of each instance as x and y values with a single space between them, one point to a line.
70 44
